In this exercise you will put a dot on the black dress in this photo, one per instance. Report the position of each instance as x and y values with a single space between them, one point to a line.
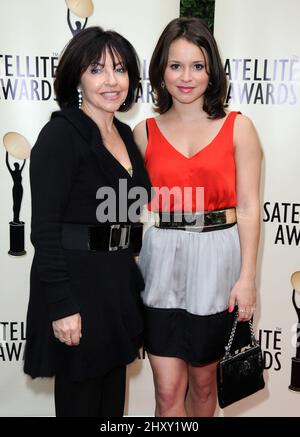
69 163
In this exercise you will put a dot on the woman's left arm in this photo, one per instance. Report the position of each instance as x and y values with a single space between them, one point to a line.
248 164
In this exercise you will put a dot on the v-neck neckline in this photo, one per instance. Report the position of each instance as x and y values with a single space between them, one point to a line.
199 151
108 153
131 164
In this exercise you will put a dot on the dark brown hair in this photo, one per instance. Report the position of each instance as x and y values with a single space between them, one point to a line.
86 48
195 31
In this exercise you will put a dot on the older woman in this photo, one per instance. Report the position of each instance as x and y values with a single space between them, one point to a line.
83 323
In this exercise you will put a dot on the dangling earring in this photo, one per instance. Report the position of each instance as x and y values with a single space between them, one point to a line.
79 97
163 84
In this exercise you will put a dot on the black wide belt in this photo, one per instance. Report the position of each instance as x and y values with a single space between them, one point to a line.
106 237
198 221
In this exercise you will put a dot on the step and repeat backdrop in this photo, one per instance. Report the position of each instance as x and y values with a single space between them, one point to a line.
32 36
260 46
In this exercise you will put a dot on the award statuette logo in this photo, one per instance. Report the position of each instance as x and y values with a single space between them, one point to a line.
82 9
295 375
18 147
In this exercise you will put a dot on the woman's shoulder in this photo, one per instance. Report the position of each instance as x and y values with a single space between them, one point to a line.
53 129
242 122
55 136
140 128
140 135
245 134
57 123
140 131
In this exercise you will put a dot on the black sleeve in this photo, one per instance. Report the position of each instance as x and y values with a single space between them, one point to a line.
53 166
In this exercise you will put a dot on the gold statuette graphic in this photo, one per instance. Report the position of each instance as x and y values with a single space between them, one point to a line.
82 9
295 374
18 147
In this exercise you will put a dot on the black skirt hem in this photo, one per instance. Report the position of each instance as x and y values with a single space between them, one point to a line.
181 357
198 340
103 368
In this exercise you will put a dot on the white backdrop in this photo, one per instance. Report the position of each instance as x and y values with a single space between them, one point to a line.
260 42
260 45
32 34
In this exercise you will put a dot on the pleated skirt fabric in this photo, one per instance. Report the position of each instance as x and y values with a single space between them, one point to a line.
188 278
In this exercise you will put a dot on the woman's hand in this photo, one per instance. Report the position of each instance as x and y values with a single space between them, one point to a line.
243 294
68 329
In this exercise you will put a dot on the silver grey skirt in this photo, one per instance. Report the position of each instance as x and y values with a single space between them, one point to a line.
188 279
190 270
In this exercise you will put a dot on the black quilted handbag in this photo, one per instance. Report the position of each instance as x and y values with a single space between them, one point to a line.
240 374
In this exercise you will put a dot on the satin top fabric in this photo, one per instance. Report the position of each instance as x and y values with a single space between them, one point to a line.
212 167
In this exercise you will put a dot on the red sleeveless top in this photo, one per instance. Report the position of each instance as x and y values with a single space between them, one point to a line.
212 168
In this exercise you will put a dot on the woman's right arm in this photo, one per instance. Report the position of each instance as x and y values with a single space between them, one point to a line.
140 136
53 166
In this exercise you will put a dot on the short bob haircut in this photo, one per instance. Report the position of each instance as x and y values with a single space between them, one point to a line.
85 49
195 31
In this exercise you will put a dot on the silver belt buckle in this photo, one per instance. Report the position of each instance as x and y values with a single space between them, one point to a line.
124 238
110 247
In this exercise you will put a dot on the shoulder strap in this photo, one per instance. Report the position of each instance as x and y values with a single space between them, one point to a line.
149 132
149 126
234 113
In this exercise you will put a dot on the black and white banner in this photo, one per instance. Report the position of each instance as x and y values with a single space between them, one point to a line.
260 46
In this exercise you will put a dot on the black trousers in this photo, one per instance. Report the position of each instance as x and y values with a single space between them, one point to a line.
98 397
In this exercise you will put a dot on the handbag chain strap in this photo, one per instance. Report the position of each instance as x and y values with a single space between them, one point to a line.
253 339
